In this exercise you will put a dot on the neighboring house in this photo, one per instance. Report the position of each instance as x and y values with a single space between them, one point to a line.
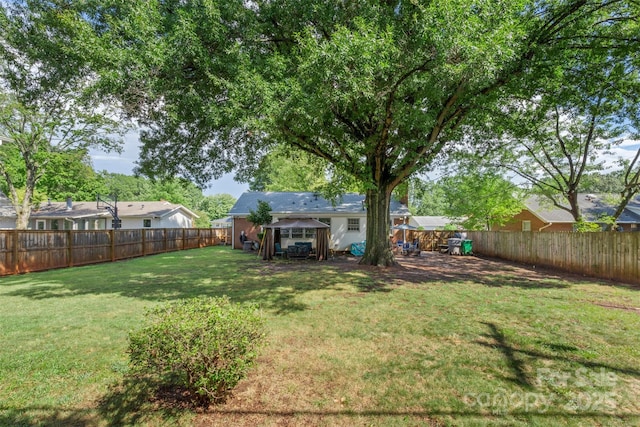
540 215
347 218
431 222
71 215
226 222
7 213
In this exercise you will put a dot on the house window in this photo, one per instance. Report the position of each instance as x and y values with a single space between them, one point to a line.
284 233
526 225
146 223
55 225
40 224
297 233
325 221
353 224
309 233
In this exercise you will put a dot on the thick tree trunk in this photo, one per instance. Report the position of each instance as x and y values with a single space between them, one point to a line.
378 250
572 197
23 211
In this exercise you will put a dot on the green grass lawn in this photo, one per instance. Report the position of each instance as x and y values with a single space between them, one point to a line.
346 345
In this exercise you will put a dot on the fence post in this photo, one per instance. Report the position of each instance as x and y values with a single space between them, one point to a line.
184 239
70 240
16 264
144 242
112 249
166 246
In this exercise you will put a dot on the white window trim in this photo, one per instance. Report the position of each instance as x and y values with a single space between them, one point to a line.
349 229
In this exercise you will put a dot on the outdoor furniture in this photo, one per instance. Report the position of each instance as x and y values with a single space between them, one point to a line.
410 248
357 249
298 251
279 251
309 246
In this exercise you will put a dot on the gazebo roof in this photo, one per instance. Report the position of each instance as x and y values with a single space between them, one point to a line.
297 223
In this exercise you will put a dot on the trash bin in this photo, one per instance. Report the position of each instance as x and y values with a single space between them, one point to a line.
454 245
466 247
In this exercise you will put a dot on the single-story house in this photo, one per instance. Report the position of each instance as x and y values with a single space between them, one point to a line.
72 215
431 222
225 222
347 218
540 215
7 213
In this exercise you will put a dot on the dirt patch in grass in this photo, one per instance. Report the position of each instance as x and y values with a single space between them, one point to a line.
437 267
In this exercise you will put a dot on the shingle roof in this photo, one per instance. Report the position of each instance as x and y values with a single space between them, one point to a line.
592 206
432 221
6 208
293 203
125 209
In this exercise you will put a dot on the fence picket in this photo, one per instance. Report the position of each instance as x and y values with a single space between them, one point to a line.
613 256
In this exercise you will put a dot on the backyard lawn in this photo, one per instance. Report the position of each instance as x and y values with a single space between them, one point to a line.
440 340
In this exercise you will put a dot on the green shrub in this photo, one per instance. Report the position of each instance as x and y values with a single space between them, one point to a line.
204 345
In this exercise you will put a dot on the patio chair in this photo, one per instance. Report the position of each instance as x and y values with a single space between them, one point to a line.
279 251
406 247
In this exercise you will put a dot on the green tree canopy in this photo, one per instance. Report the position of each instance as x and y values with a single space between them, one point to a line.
218 205
427 198
481 199
46 109
377 89
71 174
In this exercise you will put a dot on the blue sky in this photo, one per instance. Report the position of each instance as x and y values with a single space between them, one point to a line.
124 163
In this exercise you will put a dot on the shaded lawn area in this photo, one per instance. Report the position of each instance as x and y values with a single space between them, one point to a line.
440 340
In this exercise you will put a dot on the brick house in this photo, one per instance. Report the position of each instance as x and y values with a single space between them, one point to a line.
540 215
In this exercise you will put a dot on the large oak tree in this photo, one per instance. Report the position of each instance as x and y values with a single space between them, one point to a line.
376 88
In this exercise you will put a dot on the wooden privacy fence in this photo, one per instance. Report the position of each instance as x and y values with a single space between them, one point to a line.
23 251
429 240
612 255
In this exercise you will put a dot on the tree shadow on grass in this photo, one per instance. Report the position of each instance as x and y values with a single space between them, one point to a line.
515 357
26 417
131 401
276 285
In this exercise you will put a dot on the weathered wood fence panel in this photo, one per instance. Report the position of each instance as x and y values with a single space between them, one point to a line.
23 251
430 240
614 256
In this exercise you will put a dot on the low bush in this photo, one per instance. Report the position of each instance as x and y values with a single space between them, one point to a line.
203 345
